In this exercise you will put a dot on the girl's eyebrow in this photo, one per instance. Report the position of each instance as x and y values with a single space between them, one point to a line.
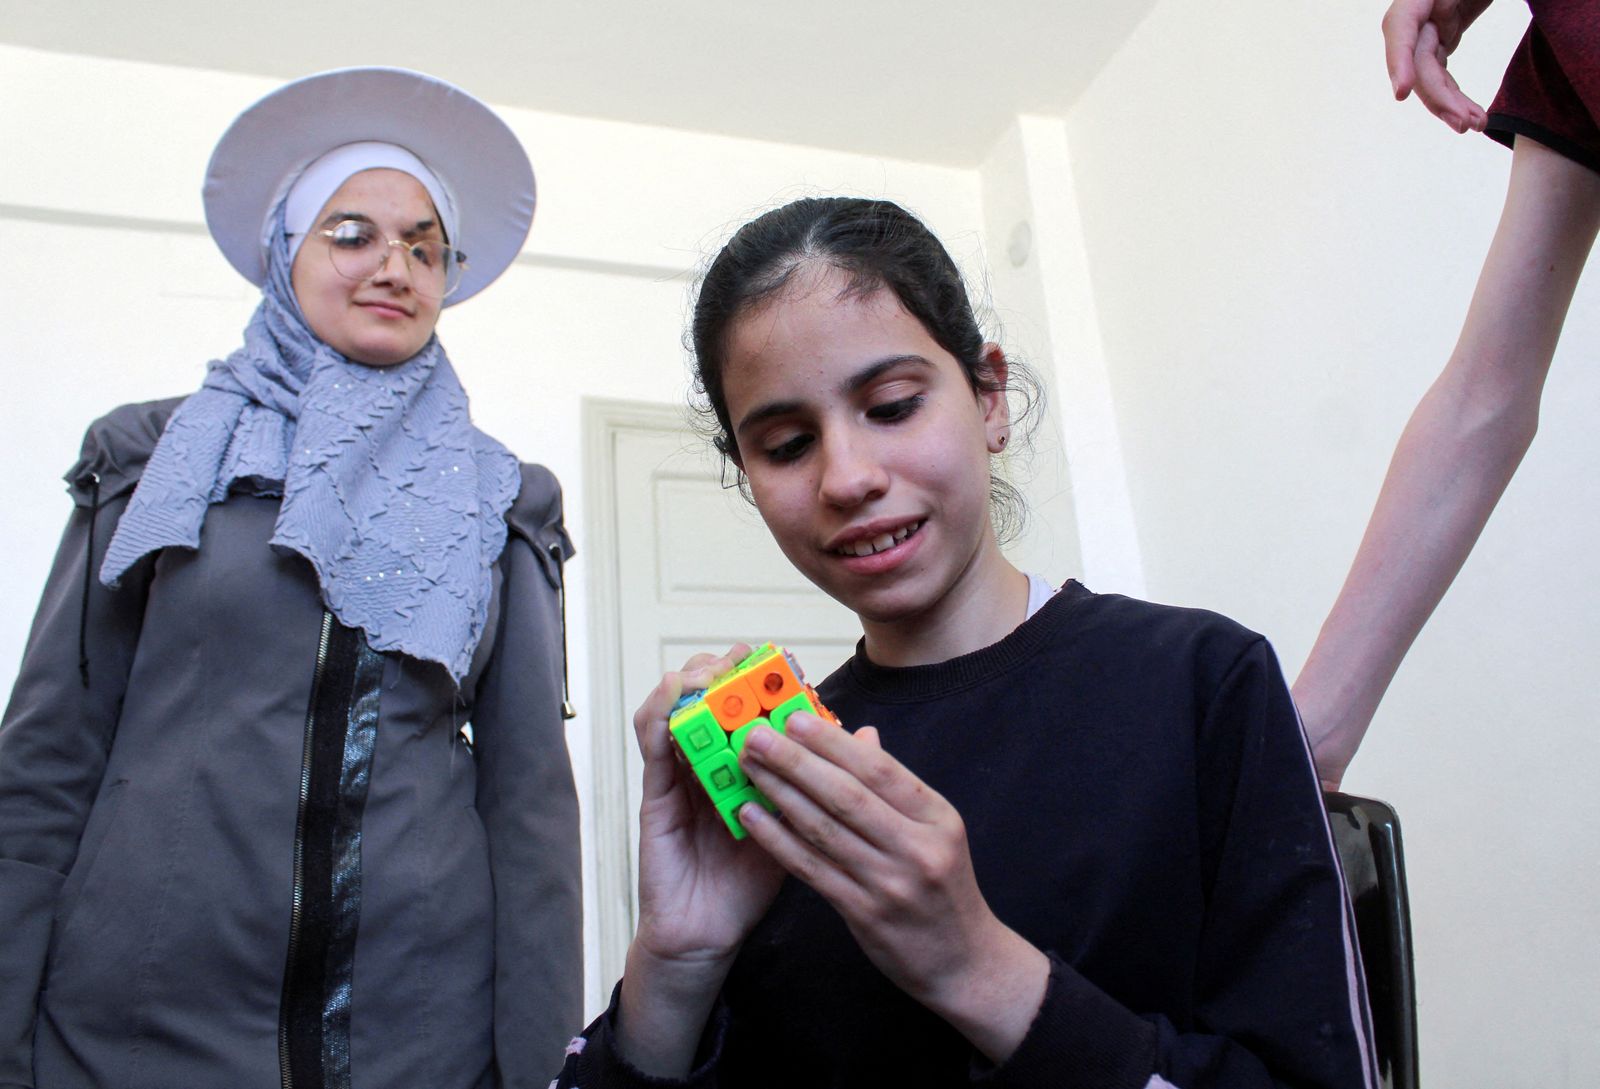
765 412
854 384
873 371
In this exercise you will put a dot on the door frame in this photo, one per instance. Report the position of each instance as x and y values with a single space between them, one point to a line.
603 420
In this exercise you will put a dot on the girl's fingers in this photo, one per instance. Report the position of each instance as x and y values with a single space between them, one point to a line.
864 759
649 731
788 844
822 802
697 673
705 668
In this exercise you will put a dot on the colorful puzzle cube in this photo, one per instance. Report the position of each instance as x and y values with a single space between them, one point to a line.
710 727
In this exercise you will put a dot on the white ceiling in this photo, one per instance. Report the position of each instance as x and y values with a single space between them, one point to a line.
935 81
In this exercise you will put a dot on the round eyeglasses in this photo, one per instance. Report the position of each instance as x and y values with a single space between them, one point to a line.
359 251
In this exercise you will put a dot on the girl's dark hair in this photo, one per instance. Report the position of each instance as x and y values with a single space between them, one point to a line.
876 244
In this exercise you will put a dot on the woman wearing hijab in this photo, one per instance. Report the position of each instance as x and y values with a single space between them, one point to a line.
243 839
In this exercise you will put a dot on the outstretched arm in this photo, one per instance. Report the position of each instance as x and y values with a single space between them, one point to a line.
1457 453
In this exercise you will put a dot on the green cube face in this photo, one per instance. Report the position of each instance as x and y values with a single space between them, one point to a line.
736 739
719 773
697 733
729 809
780 714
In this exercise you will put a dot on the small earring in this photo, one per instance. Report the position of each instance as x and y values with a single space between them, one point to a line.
1003 439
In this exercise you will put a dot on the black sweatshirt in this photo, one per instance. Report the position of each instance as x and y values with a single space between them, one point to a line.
1141 805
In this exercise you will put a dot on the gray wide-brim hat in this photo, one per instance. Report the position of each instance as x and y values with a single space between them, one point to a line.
463 141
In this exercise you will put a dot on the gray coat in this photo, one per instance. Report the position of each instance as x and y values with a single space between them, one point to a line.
149 859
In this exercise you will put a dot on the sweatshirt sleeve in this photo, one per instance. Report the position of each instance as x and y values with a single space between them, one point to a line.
56 733
593 1062
527 800
1279 998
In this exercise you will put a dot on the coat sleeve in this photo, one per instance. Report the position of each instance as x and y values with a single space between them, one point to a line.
527 799
1279 999
56 734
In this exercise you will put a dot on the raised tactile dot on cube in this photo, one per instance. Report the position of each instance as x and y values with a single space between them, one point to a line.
719 773
733 702
728 808
774 684
697 733
737 738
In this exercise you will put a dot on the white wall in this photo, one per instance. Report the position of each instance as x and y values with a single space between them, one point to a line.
1282 256
1037 264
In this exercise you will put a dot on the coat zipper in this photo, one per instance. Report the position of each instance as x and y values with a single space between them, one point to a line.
300 835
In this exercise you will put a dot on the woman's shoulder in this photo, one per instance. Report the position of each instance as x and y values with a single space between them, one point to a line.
537 507
536 516
116 447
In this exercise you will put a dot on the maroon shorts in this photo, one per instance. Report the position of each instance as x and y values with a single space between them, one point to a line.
1551 91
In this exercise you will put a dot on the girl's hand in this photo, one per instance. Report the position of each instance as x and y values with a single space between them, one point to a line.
891 856
700 890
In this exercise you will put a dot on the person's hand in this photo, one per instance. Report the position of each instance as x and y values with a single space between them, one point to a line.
891 855
1418 38
700 890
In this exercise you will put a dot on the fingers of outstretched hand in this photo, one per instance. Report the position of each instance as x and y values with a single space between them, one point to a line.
1401 25
1437 87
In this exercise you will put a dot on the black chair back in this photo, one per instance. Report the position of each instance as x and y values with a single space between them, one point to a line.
1367 833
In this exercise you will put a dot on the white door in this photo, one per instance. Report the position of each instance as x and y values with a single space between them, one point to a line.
692 568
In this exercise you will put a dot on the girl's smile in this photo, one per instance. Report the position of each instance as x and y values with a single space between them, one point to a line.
881 553
867 540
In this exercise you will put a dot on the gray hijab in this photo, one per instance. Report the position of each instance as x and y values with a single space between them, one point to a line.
389 491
